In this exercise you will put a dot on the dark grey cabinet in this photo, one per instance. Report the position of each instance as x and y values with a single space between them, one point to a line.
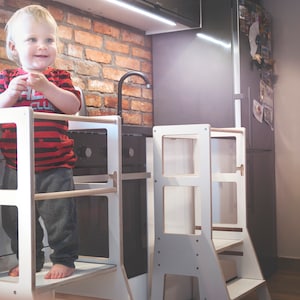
196 81
192 79
261 207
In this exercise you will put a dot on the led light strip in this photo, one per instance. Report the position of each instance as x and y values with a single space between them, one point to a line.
143 12
213 40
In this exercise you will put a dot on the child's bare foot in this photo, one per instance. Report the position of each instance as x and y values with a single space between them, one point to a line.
14 272
59 271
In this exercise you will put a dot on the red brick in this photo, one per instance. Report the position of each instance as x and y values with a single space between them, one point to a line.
141 106
58 14
125 104
4 16
79 21
19 3
146 67
2 35
94 100
65 32
75 50
3 53
134 38
132 118
127 62
100 86
131 91
110 101
146 54
64 63
103 28
148 42
87 68
61 47
112 73
6 65
147 119
92 112
117 47
147 93
98 56
88 39
100 112
78 82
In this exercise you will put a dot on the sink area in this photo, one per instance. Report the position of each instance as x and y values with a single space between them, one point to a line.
127 129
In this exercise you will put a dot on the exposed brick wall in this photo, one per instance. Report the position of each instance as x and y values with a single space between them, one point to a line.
97 52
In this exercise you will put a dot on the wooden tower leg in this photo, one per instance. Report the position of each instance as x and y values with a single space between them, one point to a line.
263 293
158 284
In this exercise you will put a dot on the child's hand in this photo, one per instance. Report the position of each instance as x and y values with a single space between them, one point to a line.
37 81
17 86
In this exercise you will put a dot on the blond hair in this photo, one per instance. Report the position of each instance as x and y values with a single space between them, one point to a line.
37 12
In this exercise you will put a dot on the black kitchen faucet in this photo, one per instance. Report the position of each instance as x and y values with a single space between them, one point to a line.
120 85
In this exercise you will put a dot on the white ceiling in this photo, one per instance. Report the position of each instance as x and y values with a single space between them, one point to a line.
110 11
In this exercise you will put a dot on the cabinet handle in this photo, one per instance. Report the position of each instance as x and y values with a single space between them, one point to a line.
241 169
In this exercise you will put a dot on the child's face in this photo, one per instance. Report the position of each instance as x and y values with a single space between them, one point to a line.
35 44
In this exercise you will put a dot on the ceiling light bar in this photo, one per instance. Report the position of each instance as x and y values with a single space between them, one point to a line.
213 40
143 12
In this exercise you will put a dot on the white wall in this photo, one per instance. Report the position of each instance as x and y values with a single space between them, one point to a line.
286 36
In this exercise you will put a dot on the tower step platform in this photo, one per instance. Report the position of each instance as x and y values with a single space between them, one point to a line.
200 215
94 276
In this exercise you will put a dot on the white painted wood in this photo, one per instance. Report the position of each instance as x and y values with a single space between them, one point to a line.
139 286
95 277
241 287
199 248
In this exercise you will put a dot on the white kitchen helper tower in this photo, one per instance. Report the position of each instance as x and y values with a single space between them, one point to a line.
103 277
194 237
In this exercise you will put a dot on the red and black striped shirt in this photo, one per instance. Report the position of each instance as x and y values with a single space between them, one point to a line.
53 147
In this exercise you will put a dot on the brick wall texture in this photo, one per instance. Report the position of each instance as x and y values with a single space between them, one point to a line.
97 52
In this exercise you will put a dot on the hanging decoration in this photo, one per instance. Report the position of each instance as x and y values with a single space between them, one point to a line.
256 23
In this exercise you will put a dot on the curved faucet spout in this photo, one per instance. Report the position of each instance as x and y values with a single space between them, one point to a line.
120 86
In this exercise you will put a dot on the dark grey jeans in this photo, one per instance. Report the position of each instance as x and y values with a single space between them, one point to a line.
59 217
